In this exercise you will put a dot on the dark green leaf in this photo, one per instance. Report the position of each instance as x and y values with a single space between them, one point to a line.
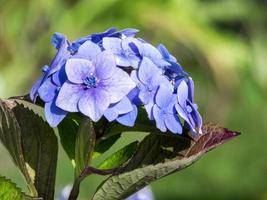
85 143
67 130
32 145
9 190
119 157
158 156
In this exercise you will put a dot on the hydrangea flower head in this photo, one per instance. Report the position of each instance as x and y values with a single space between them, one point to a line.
93 85
113 74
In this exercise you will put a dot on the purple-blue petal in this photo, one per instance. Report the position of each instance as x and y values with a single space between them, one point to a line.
159 118
35 88
47 90
129 118
53 114
164 95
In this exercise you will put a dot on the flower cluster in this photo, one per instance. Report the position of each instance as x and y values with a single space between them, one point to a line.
111 74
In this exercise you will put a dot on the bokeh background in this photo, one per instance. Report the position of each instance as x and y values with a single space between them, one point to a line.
221 43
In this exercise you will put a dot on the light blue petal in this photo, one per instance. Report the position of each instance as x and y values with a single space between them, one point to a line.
122 60
182 93
172 122
78 69
68 96
119 85
110 114
112 44
147 70
105 65
149 110
94 103
159 118
88 50
154 55
129 118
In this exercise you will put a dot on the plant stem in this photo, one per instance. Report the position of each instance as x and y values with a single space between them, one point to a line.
75 189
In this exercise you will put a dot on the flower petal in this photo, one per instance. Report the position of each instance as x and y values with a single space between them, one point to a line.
105 65
164 95
119 85
69 96
191 89
122 107
88 50
94 103
110 114
78 69
129 118
61 56
123 61
59 77
172 122
182 93
149 110
34 89
159 118
47 90
53 114
147 70
112 44
154 55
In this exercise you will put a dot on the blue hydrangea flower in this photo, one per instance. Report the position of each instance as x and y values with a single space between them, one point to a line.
92 86
151 52
174 71
91 76
125 50
47 86
164 112
186 107
125 111
48 92
165 53
61 43
97 37
148 79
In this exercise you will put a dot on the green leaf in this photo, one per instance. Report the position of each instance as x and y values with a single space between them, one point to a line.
9 190
104 144
67 130
32 144
85 143
158 156
119 157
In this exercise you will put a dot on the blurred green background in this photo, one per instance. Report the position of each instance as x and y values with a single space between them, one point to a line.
222 43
